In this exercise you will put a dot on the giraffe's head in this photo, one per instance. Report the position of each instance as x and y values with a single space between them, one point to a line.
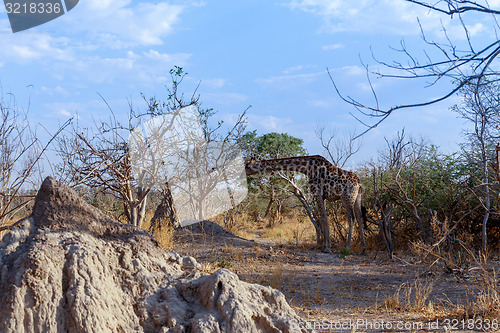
251 166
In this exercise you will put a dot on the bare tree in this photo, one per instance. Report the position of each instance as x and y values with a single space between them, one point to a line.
98 158
396 192
18 148
207 178
200 171
302 193
338 148
481 107
442 61
21 159
405 154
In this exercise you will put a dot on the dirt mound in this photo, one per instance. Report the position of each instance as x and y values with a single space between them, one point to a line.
70 268
208 228
205 232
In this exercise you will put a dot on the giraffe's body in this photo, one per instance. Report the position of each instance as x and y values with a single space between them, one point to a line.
326 182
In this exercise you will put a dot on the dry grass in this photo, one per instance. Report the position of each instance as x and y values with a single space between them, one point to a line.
164 236
291 231
412 297
277 279
2 233
473 269
9 223
487 301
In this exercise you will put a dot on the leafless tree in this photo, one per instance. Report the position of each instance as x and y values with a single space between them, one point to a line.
208 177
215 154
301 192
98 159
393 196
337 147
441 61
481 107
21 159
18 147
403 151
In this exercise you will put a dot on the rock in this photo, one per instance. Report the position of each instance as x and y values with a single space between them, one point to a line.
70 268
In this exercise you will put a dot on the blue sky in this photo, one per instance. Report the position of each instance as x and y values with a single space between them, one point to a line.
272 55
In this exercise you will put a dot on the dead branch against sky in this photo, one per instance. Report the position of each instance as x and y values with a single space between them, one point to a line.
461 67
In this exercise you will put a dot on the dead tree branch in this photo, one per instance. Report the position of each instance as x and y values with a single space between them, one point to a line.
460 67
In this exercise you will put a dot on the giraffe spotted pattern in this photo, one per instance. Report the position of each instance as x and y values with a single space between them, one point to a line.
326 182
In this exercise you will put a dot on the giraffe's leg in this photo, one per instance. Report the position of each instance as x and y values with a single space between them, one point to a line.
324 225
350 218
359 217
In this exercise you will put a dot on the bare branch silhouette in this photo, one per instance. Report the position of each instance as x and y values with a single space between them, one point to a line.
460 66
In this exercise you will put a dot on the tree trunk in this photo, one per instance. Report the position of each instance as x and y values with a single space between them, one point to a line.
136 208
487 202
384 221
271 201
310 214
324 225
141 211
164 213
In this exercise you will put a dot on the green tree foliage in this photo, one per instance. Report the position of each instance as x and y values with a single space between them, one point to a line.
426 191
274 145
272 190
271 145
481 106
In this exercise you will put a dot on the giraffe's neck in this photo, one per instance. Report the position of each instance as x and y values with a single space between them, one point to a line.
297 164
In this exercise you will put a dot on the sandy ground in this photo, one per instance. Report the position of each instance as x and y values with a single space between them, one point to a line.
355 293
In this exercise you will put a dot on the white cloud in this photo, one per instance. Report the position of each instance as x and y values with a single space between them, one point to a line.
123 23
64 109
105 6
64 112
213 83
296 69
166 58
375 16
326 7
494 3
23 53
225 98
148 68
322 104
353 70
63 60
330 47
58 91
287 81
100 42
29 47
269 123
457 32
105 24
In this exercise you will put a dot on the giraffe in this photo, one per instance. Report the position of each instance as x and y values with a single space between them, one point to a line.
326 182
